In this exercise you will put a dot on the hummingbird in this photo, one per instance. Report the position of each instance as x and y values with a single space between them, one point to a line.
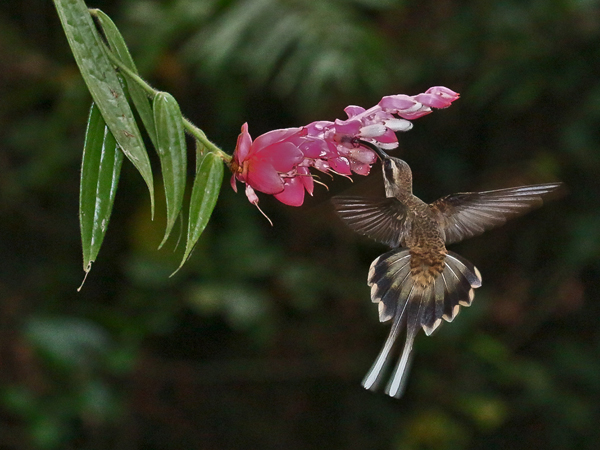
419 282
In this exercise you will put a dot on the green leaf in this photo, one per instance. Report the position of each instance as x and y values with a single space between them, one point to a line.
172 153
103 84
204 197
138 94
100 170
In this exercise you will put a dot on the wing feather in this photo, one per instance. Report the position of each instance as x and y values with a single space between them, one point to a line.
468 214
381 219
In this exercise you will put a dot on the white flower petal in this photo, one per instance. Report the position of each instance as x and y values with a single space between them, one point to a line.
398 124
387 146
372 131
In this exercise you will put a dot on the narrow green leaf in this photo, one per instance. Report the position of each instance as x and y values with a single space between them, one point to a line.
138 94
204 197
103 84
100 170
172 152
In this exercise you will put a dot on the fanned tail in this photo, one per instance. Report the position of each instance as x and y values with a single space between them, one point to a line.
414 306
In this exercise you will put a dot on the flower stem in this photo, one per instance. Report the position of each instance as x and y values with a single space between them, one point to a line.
192 129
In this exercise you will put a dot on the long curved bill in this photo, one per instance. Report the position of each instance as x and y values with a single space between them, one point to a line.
380 152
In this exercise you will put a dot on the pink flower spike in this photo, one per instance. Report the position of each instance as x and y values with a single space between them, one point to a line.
278 163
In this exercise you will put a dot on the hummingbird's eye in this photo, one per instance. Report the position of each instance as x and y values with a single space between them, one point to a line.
388 168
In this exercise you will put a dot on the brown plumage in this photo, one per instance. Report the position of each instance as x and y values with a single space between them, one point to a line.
418 283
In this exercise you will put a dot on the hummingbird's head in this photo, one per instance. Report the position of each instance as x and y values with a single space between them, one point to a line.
397 175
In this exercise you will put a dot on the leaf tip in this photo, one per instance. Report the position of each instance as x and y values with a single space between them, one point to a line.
167 234
183 261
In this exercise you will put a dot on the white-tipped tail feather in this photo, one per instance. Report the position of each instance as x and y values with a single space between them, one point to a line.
414 306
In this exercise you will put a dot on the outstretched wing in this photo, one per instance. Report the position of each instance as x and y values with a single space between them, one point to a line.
381 219
468 214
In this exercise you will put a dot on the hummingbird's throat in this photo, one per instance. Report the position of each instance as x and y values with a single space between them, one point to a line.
426 264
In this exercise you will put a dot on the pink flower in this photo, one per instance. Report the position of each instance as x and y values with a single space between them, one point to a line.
270 165
278 162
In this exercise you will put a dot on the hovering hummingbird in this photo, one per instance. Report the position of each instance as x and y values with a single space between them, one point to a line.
418 283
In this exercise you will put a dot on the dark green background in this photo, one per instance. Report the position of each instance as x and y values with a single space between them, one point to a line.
261 341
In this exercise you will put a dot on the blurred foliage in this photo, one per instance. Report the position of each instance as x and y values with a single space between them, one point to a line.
262 339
